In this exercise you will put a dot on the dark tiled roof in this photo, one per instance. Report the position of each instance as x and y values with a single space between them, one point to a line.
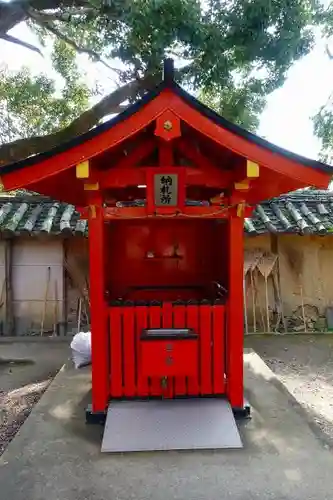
167 83
38 215
306 212
302 212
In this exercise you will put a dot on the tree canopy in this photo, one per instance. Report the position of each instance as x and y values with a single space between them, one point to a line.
323 120
231 53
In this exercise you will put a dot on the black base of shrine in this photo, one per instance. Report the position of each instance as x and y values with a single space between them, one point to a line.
97 417
100 416
242 412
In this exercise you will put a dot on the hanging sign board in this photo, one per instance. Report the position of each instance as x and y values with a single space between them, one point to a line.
165 189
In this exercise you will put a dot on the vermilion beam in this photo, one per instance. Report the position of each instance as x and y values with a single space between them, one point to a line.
165 154
138 154
211 175
112 213
123 177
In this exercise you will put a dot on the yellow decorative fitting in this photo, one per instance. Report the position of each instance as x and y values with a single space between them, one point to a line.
82 170
2 187
240 209
92 210
252 169
167 125
91 187
242 186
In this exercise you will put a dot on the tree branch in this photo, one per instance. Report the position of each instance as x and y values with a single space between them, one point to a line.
23 148
43 21
13 39
328 52
62 16
13 13
17 11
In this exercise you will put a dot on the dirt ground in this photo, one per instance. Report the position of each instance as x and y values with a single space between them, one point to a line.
26 369
304 363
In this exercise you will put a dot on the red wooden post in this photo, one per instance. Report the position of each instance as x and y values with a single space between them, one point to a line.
235 322
99 344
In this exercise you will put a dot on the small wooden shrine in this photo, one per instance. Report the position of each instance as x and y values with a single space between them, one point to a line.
166 186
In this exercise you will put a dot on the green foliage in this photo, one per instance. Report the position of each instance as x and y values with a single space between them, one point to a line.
217 37
241 103
232 53
323 120
33 105
323 128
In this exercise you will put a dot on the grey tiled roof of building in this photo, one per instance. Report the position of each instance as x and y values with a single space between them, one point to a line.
302 212
305 212
36 215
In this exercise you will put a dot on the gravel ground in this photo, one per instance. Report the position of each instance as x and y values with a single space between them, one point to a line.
15 406
26 370
304 363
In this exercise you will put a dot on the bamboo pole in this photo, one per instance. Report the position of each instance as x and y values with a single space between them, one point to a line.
245 307
255 280
56 310
303 309
254 305
281 318
45 299
266 266
267 304
9 312
79 315
2 293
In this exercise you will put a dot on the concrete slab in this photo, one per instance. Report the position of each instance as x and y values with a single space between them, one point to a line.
56 456
33 361
170 424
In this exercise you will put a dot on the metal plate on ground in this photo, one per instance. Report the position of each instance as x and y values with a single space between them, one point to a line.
175 424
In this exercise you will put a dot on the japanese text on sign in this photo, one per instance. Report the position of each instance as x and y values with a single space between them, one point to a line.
166 190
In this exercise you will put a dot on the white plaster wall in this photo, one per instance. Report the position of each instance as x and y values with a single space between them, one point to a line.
31 259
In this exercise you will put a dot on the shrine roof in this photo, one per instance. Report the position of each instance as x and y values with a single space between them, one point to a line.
303 212
150 96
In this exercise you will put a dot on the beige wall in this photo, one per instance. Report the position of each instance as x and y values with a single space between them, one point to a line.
305 266
306 261
77 258
31 259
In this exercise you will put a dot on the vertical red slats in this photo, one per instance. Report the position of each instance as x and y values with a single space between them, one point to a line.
179 321
218 349
126 325
192 321
141 323
129 351
116 381
167 323
167 315
205 349
155 320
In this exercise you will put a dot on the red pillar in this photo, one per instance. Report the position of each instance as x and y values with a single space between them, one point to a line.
98 309
235 322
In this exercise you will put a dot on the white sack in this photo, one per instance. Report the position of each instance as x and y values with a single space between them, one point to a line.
81 349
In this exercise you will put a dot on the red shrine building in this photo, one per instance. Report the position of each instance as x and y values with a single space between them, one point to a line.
166 186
